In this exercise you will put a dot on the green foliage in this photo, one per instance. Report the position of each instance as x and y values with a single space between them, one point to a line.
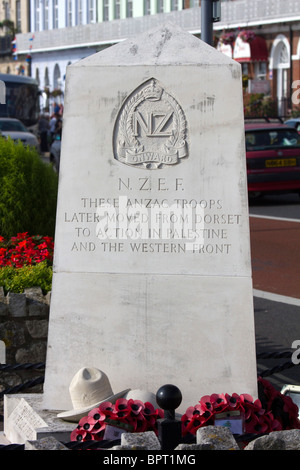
17 279
295 112
259 105
28 191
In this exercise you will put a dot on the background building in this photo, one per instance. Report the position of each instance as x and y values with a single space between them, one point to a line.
14 18
264 36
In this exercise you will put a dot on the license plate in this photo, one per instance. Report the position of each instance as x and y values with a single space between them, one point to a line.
281 162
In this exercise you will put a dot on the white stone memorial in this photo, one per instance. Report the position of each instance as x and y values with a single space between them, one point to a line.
152 276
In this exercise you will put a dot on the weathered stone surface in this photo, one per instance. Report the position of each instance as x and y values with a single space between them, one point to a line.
218 437
194 447
270 442
3 308
37 328
12 334
47 443
20 333
3 302
17 304
146 439
291 438
2 295
37 309
37 303
34 293
128 447
34 353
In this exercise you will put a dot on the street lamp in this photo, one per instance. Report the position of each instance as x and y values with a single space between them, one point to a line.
210 13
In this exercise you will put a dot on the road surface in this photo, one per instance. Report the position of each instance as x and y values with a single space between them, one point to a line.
275 255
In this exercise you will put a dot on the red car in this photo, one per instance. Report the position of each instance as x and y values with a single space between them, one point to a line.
273 159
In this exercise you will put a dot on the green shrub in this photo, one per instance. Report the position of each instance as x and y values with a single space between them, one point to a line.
28 191
17 279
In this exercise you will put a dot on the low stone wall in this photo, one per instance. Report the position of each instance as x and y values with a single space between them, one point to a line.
23 329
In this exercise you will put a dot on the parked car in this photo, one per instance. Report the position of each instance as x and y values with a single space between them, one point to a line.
295 122
55 152
15 129
273 159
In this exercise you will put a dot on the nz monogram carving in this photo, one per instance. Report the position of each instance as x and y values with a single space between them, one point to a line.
150 130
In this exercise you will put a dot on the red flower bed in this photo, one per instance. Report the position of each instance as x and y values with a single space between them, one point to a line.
24 250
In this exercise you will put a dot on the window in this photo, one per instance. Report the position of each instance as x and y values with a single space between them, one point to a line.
160 6
46 14
46 78
105 10
6 6
117 9
268 139
245 68
174 5
260 70
129 9
55 14
37 15
91 11
18 15
69 12
147 7
56 77
80 12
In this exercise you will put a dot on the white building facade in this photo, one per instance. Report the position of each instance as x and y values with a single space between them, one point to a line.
49 65
65 31
72 17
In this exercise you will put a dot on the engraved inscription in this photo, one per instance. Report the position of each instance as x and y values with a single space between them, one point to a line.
150 129
152 215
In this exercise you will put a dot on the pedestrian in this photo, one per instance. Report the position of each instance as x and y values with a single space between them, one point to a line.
43 129
54 118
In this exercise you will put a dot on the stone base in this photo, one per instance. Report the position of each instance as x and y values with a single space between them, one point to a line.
25 420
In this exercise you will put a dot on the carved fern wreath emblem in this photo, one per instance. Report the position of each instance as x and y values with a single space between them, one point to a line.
139 142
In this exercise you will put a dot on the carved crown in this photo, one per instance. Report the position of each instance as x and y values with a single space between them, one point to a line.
152 92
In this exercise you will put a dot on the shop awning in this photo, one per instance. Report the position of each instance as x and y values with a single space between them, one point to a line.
253 51
225 48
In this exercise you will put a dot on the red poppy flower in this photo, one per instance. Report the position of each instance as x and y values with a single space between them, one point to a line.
135 406
106 407
191 411
140 424
79 435
88 423
206 401
97 414
273 424
256 424
121 404
121 409
195 417
149 410
234 401
192 425
218 402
